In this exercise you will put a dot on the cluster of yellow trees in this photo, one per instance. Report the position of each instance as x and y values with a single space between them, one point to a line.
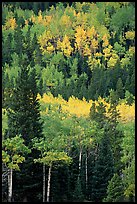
75 106
73 30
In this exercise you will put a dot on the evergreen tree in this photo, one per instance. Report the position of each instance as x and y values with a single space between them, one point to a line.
78 194
98 114
103 170
18 41
113 97
24 119
120 88
115 135
24 115
115 190
35 51
7 49
27 46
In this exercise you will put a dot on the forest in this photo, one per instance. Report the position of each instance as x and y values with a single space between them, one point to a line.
68 101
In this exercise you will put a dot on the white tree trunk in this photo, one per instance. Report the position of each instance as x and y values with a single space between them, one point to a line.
80 158
49 178
44 183
86 168
10 185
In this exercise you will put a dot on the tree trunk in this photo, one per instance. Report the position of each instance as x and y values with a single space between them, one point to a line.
86 169
43 182
80 157
10 185
48 188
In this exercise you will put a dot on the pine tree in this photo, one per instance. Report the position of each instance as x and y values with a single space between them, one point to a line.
98 114
113 97
7 49
24 119
120 88
103 171
36 52
28 50
115 135
18 41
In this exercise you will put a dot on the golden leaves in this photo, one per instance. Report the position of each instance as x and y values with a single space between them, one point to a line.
127 112
40 18
65 46
91 32
65 20
105 41
11 23
81 108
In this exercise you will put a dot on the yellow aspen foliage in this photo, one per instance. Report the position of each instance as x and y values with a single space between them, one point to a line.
107 53
50 47
77 107
94 44
48 19
65 20
81 108
91 32
86 50
33 19
131 50
130 35
65 46
40 16
11 23
98 54
105 41
43 40
80 37
113 60
74 12
127 112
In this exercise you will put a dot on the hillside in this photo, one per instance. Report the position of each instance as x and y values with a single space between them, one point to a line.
68 101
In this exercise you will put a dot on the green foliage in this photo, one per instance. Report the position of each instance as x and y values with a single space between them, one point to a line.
119 88
13 148
128 148
103 170
115 190
78 195
129 97
84 49
51 157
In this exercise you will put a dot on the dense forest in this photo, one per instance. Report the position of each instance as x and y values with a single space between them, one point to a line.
68 101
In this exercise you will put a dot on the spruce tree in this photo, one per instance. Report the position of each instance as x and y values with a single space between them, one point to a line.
98 113
18 41
102 171
24 119
7 49
120 88
115 135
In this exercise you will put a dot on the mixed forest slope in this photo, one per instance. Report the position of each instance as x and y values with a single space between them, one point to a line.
68 101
